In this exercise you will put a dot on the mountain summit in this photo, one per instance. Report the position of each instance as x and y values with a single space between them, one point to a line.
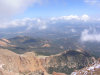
32 64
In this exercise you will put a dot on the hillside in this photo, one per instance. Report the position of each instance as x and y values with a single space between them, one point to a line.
68 61
22 44
45 46
32 64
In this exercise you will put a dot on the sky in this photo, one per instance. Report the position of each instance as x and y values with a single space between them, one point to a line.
64 7
15 13
48 8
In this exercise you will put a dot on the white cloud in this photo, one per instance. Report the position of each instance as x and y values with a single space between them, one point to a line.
11 7
43 23
85 18
29 22
71 17
93 2
73 30
91 37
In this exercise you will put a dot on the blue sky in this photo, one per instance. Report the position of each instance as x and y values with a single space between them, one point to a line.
52 8
19 12
48 8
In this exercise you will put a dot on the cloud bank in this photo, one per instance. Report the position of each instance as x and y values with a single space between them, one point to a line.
28 22
72 17
43 23
90 37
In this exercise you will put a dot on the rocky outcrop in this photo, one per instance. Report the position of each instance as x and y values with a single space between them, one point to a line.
93 69
54 73
31 64
15 63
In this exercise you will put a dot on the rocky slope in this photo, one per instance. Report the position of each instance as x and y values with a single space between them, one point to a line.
15 64
31 64
68 61
93 69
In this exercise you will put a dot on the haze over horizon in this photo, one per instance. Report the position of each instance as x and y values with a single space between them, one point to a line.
41 14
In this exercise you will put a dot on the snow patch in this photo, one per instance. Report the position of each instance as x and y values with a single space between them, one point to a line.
74 73
1 66
91 68
96 66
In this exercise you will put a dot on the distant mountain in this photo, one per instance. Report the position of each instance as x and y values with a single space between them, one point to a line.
46 46
4 42
22 44
32 64
59 37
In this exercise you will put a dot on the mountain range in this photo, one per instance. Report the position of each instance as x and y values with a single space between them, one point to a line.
30 63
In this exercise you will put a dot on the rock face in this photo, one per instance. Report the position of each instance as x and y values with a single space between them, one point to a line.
11 62
31 64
